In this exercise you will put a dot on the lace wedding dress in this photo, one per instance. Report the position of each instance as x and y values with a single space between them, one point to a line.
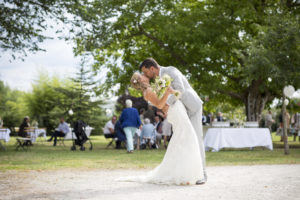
181 164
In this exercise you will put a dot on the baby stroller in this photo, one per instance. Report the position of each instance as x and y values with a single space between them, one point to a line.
81 138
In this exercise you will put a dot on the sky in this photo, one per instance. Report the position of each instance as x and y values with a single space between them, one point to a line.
58 59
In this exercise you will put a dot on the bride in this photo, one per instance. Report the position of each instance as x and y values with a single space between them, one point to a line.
181 164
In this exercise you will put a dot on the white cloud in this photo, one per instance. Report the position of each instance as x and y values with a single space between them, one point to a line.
58 59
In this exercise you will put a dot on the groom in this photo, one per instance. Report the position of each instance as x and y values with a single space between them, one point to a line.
189 98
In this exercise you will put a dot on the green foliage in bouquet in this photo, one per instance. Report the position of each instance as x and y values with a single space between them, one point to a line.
134 92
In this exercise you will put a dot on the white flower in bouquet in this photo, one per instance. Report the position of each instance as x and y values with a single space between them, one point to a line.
160 85
163 83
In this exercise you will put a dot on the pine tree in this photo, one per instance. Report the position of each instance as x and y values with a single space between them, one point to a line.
81 98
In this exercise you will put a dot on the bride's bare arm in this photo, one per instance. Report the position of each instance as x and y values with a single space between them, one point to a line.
151 96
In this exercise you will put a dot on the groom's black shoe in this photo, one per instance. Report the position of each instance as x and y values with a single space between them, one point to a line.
202 181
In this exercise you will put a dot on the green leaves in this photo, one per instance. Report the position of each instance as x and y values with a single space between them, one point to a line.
134 92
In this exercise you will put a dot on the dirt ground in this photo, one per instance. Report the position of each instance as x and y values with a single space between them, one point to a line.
274 182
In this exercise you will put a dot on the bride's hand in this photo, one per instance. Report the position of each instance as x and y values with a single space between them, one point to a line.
170 90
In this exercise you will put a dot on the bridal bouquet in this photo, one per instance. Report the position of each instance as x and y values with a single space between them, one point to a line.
160 85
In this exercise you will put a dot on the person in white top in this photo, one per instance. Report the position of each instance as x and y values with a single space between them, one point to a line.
60 131
109 128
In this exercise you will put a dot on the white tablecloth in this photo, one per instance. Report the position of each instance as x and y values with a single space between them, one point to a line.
88 131
5 134
36 133
218 138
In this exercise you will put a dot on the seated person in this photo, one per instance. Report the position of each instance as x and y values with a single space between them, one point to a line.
23 130
109 128
23 127
60 131
119 134
148 133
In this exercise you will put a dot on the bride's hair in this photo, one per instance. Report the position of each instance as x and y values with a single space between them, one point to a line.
136 82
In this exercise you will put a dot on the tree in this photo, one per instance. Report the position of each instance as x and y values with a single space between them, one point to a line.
43 101
23 23
82 99
53 97
212 42
12 106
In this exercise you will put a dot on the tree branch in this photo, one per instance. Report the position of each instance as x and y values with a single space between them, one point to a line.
230 93
236 79
162 45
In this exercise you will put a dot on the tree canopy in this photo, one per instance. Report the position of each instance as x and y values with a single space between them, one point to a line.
242 52
23 23
229 50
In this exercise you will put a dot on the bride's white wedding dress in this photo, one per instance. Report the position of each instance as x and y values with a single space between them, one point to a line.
182 162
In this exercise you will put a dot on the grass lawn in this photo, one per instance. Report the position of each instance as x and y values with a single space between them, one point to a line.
43 156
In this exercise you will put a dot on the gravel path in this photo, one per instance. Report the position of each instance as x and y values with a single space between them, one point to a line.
229 182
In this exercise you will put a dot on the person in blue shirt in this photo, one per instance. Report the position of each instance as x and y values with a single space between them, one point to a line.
130 121
148 133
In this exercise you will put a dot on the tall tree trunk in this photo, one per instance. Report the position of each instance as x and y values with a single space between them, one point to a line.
255 101
255 105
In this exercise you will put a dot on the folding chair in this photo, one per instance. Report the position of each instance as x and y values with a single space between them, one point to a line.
111 141
23 143
61 140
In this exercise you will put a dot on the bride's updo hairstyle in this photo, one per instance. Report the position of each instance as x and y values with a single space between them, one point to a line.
136 82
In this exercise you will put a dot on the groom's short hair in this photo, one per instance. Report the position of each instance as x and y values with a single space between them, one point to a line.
148 63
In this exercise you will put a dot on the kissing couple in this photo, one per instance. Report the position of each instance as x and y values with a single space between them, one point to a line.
184 160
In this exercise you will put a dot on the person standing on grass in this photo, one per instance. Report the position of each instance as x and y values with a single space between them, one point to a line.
130 121
269 120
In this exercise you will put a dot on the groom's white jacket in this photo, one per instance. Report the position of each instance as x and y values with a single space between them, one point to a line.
189 97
